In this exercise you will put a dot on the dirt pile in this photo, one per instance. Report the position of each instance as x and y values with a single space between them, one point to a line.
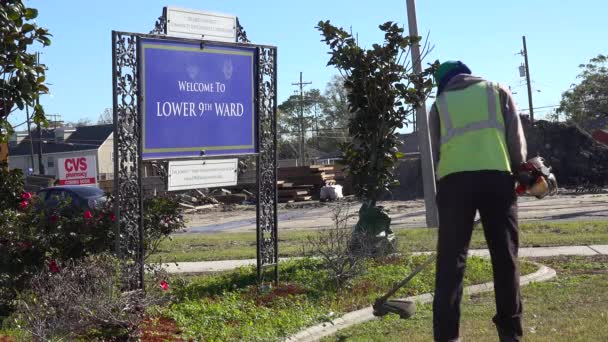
577 159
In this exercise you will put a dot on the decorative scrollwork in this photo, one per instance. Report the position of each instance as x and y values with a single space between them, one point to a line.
267 161
241 35
161 25
127 161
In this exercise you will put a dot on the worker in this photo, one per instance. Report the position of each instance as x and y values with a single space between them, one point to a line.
477 140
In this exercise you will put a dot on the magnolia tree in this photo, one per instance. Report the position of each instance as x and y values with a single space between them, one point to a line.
22 78
383 92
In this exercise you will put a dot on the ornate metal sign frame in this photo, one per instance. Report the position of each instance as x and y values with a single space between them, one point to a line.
128 164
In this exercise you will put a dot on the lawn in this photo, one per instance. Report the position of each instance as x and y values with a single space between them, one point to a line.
223 246
572 307
232 307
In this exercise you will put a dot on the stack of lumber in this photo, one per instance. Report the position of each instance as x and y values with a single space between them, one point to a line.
303 183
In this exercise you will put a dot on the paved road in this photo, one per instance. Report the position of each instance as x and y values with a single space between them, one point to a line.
404 214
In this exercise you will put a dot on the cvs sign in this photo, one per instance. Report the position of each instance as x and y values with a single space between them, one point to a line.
75 164
77 170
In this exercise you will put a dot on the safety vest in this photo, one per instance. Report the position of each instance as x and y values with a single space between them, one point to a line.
472 130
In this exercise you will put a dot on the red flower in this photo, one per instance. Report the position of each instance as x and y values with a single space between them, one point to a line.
23 205
24 245
26 196
53 267
88 215
112 217
164 285
54 218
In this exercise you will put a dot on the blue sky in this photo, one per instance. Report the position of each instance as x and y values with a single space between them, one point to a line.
484 34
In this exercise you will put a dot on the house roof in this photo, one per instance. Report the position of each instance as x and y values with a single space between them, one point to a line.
84 138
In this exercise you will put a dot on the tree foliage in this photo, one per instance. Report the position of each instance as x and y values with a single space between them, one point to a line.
323 118
335 107
383 91
22 78
292 118
586 103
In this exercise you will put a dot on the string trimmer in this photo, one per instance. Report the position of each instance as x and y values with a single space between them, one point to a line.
405 309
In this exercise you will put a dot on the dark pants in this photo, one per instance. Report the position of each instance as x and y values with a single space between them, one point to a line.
459 196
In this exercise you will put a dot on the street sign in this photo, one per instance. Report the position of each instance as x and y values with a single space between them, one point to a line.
199 25
197 174
196 101
77 170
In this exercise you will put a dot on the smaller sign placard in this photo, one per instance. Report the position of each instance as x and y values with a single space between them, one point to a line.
197 174
77 170
193 24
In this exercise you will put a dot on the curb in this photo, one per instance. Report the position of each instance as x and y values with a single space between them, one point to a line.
317 332
528 252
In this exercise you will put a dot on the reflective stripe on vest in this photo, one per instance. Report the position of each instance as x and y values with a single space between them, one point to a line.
491 122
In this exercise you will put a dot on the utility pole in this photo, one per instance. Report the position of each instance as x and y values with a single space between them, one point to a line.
426 159
39 130
54 119
525 54
301 118
29 134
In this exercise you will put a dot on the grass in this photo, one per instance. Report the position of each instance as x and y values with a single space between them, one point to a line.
572 307
224 246
231 307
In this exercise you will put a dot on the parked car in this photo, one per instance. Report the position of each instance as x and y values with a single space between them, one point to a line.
80 197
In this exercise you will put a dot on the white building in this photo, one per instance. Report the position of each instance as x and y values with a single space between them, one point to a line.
64 143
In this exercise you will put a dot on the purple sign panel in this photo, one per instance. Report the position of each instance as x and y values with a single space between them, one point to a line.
196 101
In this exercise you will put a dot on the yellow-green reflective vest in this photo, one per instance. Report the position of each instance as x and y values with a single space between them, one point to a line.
472 130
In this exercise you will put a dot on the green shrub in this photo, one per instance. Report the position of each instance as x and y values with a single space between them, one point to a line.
35 238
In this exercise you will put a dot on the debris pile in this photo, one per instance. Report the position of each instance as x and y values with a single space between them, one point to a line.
196 200
577 159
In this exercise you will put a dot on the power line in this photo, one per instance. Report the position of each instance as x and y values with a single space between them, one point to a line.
301 118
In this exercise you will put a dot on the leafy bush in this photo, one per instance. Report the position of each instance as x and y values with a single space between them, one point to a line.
162 217
11 187
33 238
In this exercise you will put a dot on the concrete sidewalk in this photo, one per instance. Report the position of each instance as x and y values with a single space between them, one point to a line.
226 265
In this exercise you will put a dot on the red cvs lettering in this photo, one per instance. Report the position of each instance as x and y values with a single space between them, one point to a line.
75 164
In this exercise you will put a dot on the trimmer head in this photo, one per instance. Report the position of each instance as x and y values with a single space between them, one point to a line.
404 308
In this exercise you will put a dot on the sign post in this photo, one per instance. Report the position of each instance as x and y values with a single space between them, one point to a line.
202 94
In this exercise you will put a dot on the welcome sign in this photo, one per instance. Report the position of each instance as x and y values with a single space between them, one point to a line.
196 101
